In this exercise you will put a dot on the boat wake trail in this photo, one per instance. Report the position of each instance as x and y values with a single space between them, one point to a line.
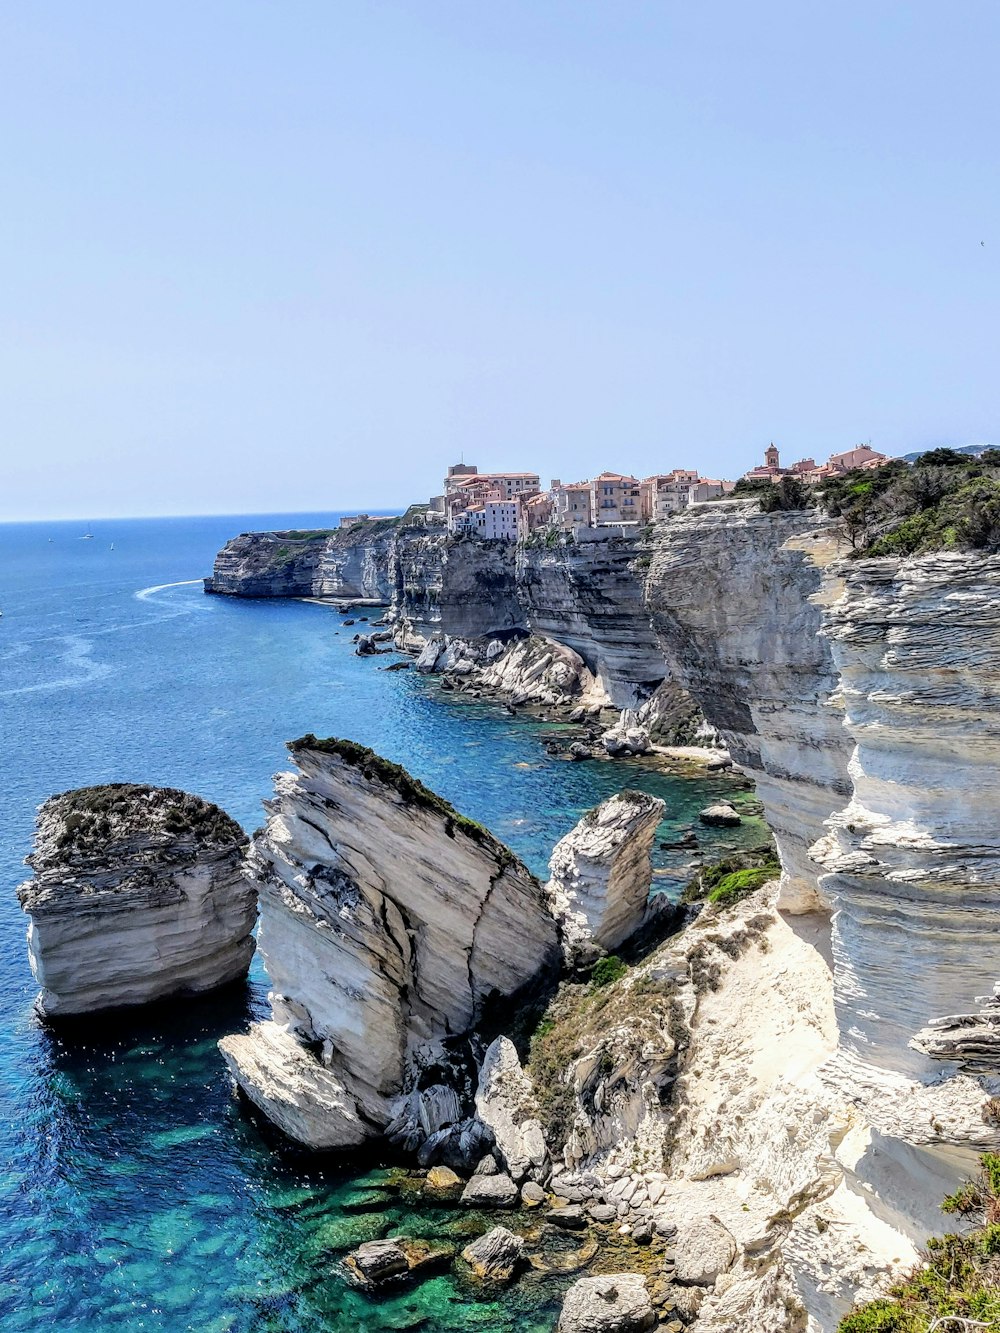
145 593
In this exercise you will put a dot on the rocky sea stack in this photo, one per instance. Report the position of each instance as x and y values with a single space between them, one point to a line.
392 926
137 895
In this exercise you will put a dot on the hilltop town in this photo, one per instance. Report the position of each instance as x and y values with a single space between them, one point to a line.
512 506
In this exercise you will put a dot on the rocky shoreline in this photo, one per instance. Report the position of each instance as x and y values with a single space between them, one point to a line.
790 1073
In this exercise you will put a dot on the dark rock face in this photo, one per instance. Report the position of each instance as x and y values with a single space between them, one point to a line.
457 586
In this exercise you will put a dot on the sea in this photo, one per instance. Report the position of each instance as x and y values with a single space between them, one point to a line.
136 1191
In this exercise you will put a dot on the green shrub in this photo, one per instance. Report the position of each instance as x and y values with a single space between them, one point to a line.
762 859
944 501
961 1278
606 971
731 888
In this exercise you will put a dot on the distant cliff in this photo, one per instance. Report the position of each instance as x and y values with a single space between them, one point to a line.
354 563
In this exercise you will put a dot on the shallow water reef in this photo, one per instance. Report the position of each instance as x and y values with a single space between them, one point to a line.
137 895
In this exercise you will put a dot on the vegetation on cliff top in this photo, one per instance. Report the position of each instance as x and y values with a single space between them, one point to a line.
734 877
945 501
94 817
959 1286
412 791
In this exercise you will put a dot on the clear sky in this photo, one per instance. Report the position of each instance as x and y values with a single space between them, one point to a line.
299 254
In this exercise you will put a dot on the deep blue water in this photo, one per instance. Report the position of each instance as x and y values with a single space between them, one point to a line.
135 1193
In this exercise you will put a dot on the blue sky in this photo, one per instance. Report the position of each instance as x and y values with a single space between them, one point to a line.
291 255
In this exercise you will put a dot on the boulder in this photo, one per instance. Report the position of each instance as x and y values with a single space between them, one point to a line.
704 1248
505 1102
497 1191
626 736
578 751
600 875
427 658
720 815
532 1195
441 1179
138 894
569 1218
618 1303
495 1256
377 1261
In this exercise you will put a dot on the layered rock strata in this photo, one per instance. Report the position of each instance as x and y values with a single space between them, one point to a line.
600 875
390 926
912 861
137 894
743 637
589 595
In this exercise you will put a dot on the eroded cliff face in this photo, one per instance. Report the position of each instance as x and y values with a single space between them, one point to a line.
460 587
266 564
358 565
911 864
736 599
389 925
137 895
589 595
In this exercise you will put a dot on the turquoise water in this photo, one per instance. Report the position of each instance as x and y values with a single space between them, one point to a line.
135 1193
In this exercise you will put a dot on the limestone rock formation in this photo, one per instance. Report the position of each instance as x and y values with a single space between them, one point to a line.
390 924
267 564
619 1303
600 875
137 895
912 861
703 1249
493 1191
506 1104
722 814
744 639
381 1263
626 736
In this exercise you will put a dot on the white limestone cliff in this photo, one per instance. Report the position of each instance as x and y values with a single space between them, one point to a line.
137 895
600 875
736 598
390 925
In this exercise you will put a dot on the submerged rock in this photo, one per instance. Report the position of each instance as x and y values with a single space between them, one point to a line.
137 895
495 1256
389 923
601 873
612 1304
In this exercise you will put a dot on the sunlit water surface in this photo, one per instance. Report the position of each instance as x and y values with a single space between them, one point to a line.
135 1192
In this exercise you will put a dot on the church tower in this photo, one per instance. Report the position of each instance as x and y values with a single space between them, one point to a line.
771 457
